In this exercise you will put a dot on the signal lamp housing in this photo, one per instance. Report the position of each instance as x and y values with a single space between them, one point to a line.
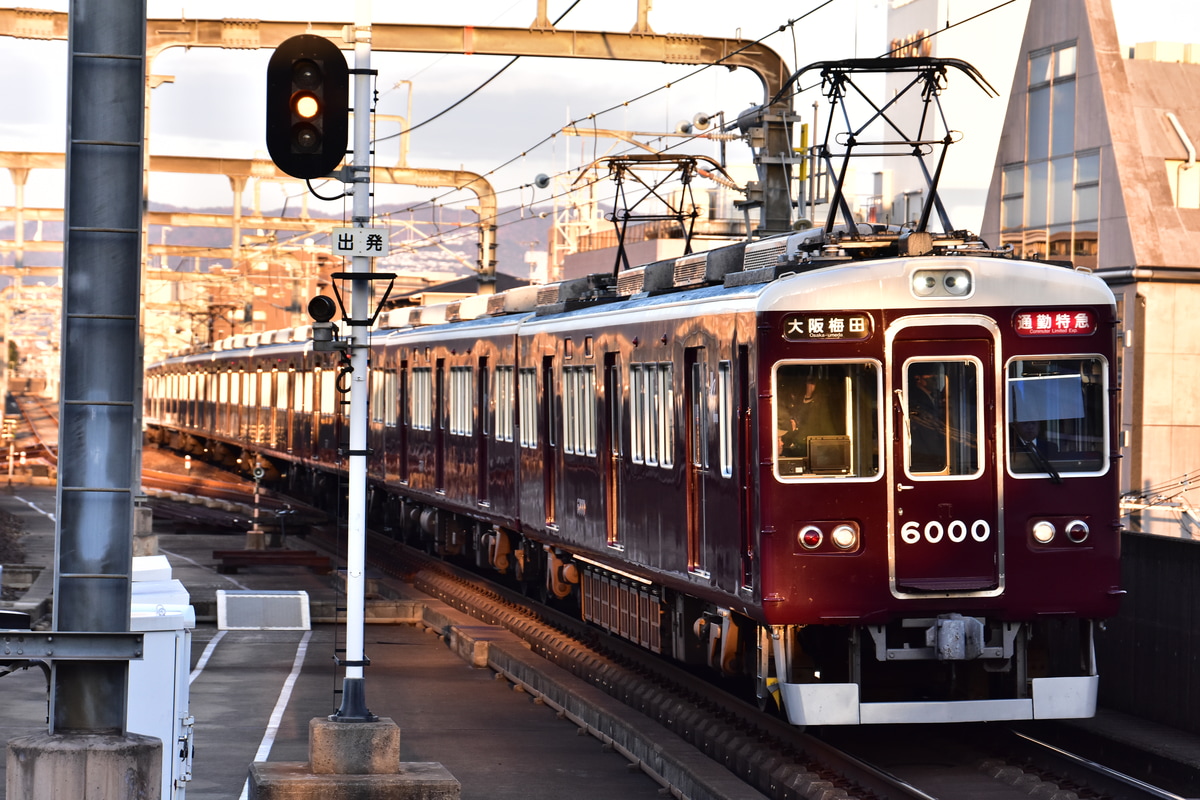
308 102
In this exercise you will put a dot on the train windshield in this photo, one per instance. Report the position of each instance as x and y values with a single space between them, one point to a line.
943 418
827 420
1056 416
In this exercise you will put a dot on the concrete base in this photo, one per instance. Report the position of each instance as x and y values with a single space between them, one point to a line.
353 748
352 761
84 767
145 540
282 780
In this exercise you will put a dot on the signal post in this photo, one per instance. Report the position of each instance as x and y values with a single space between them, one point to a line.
352 750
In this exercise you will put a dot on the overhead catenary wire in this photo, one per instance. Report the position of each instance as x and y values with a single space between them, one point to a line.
442 198
789 25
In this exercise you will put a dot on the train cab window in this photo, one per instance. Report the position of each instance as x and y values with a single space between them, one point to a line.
827 420
1056 416
942 418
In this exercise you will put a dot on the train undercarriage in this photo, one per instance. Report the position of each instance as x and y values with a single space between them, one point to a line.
951 667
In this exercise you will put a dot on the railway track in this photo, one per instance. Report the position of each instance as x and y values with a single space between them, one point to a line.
41 423
895 762
776 759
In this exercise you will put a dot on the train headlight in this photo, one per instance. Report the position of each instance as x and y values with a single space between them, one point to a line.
957 282
845 537
942 283
924 283
810 537
1043 531
1077 531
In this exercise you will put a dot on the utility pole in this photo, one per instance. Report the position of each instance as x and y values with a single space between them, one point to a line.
353 748
354 705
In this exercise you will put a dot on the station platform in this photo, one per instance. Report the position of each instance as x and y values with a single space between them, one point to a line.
253 693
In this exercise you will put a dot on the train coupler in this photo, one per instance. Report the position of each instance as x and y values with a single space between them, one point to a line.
947 637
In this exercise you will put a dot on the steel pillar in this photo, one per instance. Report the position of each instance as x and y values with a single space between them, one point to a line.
100 428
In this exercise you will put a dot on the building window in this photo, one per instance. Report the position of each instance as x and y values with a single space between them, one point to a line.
1050 201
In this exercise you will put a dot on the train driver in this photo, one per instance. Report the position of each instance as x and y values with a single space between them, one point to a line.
927 418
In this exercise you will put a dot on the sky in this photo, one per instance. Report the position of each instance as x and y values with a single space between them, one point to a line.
213 106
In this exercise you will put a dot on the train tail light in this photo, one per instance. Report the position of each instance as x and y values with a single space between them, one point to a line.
810 537
1077 531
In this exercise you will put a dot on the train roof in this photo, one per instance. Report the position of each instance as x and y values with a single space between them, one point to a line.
842 270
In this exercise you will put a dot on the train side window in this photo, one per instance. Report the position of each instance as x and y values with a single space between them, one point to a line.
421 399
528 402
665 411
652 398
503 396
383 397
1057 416
943 418
328 388
827 420
725 417
579 410
306 395
462 401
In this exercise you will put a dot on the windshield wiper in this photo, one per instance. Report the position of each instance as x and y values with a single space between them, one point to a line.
1040 460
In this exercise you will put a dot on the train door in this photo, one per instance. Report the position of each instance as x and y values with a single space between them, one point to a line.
945 537
287 391
549 442
403 420
741 450
612 449
695 403
482 432
439 426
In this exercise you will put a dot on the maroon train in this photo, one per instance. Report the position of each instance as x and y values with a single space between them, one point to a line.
883 489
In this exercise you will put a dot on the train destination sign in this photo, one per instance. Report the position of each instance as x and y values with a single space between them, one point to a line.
826 325
1054 323
359 241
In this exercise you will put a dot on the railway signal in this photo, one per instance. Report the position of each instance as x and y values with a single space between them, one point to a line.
308 104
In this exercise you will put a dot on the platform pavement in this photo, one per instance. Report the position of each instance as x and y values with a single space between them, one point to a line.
497 742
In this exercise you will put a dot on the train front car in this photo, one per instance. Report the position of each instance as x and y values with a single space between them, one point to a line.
938 498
